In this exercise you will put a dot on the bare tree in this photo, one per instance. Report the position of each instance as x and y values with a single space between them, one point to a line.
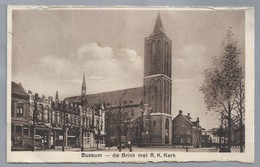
118 117
240 112
222 80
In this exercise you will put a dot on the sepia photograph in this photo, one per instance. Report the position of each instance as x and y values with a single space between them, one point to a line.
124 84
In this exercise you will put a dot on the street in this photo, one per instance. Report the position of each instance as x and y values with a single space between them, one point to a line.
142 149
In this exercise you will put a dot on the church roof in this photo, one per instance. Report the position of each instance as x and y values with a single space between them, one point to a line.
158 27
132 96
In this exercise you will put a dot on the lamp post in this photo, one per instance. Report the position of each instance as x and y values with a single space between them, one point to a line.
142 128
82 131
36 98
64 130
82 121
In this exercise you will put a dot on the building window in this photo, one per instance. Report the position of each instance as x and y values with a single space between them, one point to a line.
182 140
53 117
58 118
188 140
72 119
132 113
46 114
40 113
154 122
19 112
188 131
67 119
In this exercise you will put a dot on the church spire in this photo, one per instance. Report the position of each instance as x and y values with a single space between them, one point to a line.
158 27
57 98
83 89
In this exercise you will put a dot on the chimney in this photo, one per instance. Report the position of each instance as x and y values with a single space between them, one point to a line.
198 119
180 111
188 114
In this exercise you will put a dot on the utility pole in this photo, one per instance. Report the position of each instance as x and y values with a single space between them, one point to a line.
82 132
64 119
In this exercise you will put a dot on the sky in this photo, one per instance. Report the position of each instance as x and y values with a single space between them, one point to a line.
52 48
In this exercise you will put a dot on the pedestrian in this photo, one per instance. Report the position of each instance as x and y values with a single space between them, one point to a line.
129 145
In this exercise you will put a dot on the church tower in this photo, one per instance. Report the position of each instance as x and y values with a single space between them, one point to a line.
158 84
83 88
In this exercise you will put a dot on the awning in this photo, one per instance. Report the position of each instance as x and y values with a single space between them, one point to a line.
57 128
72 136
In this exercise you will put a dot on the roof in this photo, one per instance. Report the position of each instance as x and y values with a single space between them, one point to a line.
18 89
158 27
193 123
132 96
19 92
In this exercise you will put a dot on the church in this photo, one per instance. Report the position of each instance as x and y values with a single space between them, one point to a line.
144 112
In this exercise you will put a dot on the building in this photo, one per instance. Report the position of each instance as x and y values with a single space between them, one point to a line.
186 132
42 120
158 85
20 127
47 123
92 119
147 109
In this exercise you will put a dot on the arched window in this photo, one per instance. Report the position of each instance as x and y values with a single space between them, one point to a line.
165 97
153 95
19 110
153 57
159 52
158 100
146 92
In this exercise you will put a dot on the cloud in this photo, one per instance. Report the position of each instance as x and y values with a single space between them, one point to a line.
119 68
191 61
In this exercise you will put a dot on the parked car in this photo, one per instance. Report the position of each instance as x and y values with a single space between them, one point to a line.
123 145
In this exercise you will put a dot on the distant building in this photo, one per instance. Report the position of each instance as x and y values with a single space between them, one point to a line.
186 132
42 120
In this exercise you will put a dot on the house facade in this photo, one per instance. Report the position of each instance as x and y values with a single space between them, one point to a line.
20 125
186 132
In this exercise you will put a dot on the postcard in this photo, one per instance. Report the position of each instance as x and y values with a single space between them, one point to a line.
130 84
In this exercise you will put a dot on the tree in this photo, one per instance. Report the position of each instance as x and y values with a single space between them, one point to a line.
117 117
240 112
222 80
